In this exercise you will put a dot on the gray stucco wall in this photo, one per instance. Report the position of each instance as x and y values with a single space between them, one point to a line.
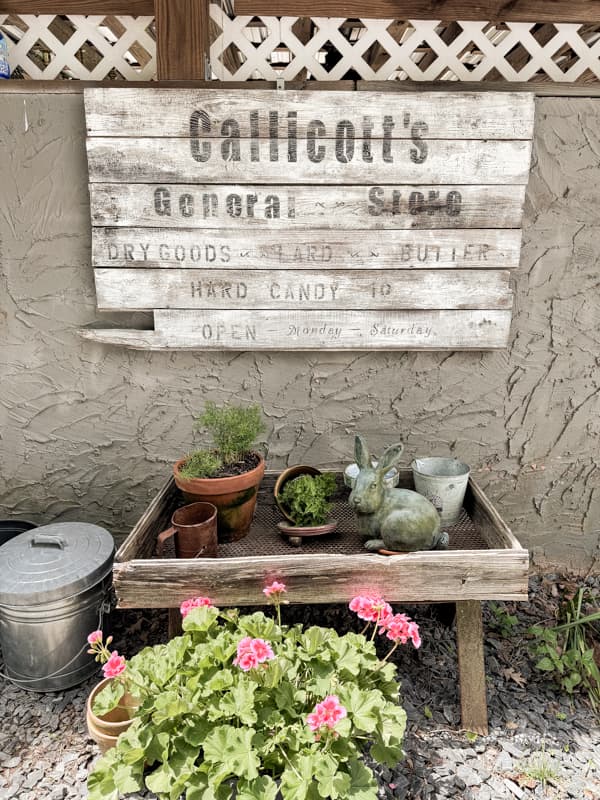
89 432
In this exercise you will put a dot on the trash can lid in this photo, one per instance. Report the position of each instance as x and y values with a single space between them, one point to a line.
53 562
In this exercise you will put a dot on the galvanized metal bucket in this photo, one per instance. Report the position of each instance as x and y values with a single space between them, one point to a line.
54 582
443 481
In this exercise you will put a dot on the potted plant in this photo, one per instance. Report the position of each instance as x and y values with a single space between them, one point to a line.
304 499
110 707
229 473
244 706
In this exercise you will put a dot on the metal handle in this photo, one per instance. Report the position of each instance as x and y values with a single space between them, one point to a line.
41 539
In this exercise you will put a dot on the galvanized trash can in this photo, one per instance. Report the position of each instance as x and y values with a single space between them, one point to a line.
54 581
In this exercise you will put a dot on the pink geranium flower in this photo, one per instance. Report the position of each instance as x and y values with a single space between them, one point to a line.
252 652
327 713
274 588
246 661
115 665
371 608
194 602
95 636
399 629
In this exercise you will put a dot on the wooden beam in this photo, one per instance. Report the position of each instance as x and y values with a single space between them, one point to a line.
128 7
447 10
471 666
182 40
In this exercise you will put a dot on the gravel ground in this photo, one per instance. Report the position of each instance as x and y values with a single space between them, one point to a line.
541 745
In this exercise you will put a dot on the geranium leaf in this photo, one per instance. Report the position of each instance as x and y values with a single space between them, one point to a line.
129 779
362 783
331 782
388 754
233 746
261 788
297 779
108 698
200 619
363 707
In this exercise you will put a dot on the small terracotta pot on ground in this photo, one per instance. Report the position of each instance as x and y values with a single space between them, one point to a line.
234 497
105 730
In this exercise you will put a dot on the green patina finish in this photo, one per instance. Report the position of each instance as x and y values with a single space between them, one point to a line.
392 519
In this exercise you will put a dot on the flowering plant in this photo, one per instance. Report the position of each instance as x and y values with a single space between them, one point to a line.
243 706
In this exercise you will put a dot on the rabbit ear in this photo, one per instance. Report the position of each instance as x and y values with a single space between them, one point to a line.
361 452
391 455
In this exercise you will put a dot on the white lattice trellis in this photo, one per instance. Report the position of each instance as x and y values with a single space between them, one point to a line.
92 48
419 50
292 48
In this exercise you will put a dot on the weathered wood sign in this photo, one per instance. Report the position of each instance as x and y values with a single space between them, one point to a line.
274 220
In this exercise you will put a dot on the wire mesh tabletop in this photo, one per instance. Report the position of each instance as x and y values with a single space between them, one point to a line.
264 538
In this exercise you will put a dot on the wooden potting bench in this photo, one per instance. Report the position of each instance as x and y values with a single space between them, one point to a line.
485 562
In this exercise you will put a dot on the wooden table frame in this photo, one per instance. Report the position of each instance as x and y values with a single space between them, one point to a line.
463 577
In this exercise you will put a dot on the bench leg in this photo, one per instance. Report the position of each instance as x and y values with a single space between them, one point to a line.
471 666
175 628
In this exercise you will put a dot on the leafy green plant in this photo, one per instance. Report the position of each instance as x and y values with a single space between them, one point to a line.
305 498
501 621
241 706
233 430
566 651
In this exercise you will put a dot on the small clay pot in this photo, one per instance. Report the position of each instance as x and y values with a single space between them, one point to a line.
105 730
288 475
296 533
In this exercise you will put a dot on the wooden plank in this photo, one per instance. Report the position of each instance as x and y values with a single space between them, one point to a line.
142 540
181 39
483 513
471 666
415 577
171 160
315 330
147 289
153 248
128 8
131 112
535 87
448 10
310 207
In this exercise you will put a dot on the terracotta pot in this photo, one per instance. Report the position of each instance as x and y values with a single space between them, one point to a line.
234 497
105 730
287 475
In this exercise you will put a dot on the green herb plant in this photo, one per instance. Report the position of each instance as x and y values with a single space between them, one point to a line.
306 497
566 651
233 430
211 726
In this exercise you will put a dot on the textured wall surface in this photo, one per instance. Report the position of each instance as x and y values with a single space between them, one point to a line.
89 432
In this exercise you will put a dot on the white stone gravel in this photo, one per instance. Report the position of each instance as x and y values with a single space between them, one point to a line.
45 753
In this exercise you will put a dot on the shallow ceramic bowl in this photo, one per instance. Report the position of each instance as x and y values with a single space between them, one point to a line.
314 530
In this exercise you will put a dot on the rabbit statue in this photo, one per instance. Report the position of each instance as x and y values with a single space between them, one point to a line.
394 519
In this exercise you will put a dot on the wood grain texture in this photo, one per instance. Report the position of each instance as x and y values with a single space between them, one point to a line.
181 39
471 667
170 160
393 206
535 88
483 513
130 8
446 10
131 112
415 577
147 289
155 248
316 330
